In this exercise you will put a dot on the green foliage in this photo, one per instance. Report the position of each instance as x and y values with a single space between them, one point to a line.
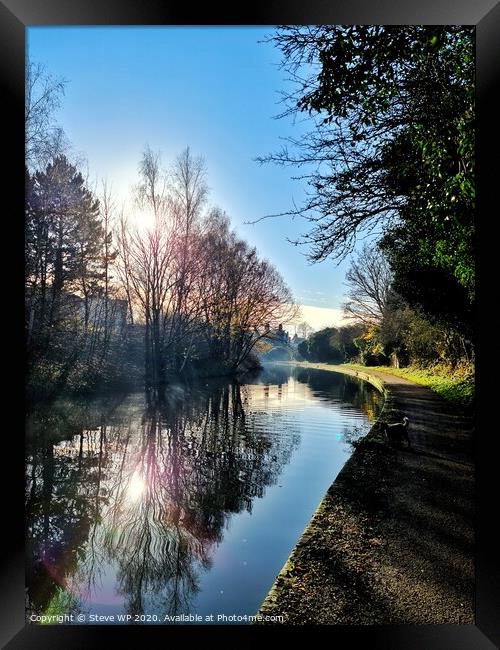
412 337
317 346
62 603
371 351
63 225
427 288
397 103
303 349
331 344
456 384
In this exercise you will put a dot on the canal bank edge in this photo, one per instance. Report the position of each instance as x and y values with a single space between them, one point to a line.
344 569
271 601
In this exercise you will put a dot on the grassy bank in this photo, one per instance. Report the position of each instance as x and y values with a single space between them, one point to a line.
453 385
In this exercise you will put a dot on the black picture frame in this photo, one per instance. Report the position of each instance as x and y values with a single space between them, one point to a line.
15 16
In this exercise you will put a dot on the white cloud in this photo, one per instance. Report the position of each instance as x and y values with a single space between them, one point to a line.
319 317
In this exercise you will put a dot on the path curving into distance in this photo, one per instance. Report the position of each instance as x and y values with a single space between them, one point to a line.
392 541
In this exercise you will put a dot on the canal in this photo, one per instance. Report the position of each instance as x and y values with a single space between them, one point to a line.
190 506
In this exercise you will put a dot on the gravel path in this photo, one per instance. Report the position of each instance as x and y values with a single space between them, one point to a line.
392 542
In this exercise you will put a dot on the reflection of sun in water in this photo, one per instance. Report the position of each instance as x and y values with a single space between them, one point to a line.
135 487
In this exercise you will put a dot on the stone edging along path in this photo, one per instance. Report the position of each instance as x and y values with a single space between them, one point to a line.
392 541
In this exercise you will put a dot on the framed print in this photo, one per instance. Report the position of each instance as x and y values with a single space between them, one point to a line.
213 211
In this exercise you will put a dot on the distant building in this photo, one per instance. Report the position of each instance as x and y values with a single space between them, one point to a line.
278 336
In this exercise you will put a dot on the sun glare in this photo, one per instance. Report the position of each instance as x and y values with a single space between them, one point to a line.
136 487
143 220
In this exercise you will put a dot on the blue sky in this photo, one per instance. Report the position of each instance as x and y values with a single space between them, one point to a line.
214 89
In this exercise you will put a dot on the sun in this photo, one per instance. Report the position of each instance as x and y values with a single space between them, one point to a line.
136 487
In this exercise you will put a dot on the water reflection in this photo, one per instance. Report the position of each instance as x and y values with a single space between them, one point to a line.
357 394
150 493
127 500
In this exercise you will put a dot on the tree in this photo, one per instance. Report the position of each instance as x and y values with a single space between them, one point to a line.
242 295
200 292
108 257
146 263
44 138
189 192
332 344
303 349
159 266
63 234
391 147
429 289
343 341
304 329
368 281
89 240
408 335
319 346
70 312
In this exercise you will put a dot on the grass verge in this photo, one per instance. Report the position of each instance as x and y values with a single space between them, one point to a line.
454 385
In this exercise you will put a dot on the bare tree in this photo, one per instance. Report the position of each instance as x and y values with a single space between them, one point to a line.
151 192
158 265
368 282
44 139
109 254
304 329
151 279
242 294
153 254
188 187
188 194
122 262
189 278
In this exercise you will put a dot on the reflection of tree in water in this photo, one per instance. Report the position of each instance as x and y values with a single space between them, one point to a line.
197 462
349 390
60 508
363 396
149 495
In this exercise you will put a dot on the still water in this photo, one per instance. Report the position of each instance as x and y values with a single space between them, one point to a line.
187 507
